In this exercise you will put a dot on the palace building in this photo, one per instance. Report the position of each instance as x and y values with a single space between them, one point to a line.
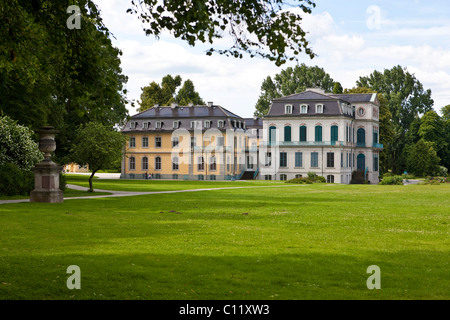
333 135
185 142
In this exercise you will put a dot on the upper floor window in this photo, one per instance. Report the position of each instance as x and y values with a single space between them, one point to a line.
158 124
175 142
220 123
176 124
196 124
133 125
146 125
132 163
302 133
319 108
144 142
318 133
303 108
288 109
287 133
132 142
207 124
158 142
334 134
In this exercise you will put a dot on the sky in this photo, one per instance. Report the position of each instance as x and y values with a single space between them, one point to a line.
352 38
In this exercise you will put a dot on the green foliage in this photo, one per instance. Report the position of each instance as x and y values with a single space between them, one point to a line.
422 159
290 81
52 75
62 182
14 180
406 98
300 181
259 28
17 145
392 180
165 94
337 89
98 146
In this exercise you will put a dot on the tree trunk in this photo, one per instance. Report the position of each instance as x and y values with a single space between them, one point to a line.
91 189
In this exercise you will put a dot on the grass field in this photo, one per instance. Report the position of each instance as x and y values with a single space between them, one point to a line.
276 241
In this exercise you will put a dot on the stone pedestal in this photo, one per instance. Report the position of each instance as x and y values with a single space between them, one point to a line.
46 173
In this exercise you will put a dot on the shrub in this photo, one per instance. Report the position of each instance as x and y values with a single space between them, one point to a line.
300 181
15 181
392 180
17 145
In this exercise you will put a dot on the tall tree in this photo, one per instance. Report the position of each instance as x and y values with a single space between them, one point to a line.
406 100
446 121
51 74
267 28
422 159
432 130
187 94
166 93
290 81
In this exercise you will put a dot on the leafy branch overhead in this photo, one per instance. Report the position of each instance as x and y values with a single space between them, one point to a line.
267 28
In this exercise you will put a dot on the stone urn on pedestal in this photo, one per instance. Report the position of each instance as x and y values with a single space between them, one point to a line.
46 173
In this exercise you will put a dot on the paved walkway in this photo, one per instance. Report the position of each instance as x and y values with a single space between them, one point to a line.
136 193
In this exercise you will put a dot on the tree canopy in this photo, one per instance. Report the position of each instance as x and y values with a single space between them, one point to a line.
290 81
53 75
166 93
97 145
267 28
406 99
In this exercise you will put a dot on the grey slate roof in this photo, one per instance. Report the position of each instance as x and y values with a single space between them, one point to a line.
331 103
184 114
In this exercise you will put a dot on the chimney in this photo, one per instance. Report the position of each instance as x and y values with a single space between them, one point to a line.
173 105
210 104
190 104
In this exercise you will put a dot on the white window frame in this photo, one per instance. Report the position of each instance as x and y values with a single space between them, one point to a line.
319 108
288 108
304 107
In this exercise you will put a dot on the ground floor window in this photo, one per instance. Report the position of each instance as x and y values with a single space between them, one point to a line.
330 179
268 177
212 177
175 176
283 177
201 177
298 176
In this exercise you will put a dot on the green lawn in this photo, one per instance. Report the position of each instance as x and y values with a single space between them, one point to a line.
280 242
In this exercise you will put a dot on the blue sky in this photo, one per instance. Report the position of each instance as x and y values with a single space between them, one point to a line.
351 39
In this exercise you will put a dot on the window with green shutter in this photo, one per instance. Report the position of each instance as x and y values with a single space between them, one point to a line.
318 133
287 134
334 133
303 134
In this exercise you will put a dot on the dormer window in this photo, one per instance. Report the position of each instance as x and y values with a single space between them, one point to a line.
158 124
288 109
196 124
303 108
133 125
207 124
319 108
145 125
176 124
220 123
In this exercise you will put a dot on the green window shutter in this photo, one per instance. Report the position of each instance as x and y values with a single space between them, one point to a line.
318 133
303 134
287 134
272 134
334 133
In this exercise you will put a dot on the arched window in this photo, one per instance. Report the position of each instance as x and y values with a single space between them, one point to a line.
287 133
283 177
334 134
361 162
158 163
361 136
303 134
318 133
272 134
330 179
132 163
144 163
